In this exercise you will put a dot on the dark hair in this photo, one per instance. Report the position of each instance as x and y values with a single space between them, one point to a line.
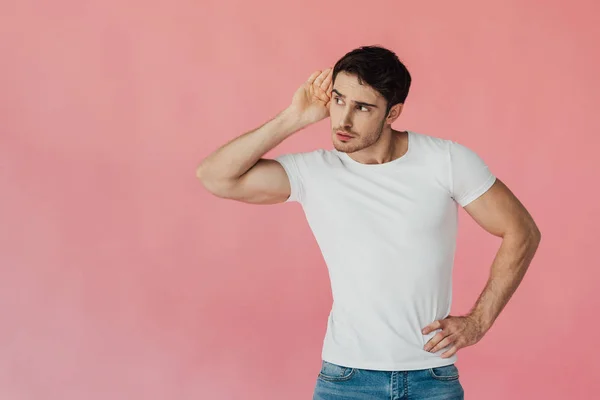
379 68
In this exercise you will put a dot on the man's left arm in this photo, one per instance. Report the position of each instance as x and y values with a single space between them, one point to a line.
499 212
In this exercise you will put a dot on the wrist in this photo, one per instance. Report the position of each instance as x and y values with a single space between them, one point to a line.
483 323
294 118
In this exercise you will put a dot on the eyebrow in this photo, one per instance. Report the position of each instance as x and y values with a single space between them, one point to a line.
361 103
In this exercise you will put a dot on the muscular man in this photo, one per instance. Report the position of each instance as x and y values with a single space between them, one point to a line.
382 205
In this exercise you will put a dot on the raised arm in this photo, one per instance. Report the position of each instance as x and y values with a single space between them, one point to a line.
237 170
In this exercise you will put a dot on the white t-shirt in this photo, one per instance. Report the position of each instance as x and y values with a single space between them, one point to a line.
388 234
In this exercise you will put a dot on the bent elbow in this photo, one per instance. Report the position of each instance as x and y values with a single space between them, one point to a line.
203 177
536 235
199 172
533 238
219 188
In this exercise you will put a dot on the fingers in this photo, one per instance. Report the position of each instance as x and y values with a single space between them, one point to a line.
322 85
451 334
432 327
320 81
329 88
447 341
450 352
328 79
434 341
322 96
314 76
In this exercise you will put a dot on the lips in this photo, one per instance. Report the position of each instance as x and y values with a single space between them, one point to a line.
343 135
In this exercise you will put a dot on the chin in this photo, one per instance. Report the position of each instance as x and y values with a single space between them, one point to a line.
347 147
340 148
343 147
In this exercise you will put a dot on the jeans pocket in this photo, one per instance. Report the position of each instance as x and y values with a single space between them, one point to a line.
333 372
445 373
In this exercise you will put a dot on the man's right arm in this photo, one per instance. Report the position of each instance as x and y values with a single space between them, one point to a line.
237 170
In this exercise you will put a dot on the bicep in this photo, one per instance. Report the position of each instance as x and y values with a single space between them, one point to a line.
265 183
499 212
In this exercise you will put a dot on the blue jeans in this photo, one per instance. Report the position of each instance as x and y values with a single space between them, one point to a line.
339 383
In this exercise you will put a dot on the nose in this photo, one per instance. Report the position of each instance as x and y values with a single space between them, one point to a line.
346 121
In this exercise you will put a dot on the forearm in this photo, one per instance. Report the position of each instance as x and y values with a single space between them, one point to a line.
232 160
507 272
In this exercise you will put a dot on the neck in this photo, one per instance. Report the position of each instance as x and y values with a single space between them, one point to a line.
390 146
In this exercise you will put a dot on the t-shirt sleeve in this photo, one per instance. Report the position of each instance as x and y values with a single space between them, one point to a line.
470 176
293 164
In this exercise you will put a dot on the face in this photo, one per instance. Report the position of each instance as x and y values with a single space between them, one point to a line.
358 111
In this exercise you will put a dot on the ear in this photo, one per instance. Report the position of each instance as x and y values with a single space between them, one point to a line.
394 113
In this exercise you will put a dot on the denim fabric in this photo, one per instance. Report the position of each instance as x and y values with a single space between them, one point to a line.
336 382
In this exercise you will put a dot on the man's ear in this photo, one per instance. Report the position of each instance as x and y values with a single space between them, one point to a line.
394 113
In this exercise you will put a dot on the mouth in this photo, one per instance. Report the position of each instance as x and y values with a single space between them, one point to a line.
343 136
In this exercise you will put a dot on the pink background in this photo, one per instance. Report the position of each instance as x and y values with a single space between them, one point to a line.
122 278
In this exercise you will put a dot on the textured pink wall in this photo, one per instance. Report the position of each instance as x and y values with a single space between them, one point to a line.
121 278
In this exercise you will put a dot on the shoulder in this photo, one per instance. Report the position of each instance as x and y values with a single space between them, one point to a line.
439 146
312 157
447 154
430 143
431 149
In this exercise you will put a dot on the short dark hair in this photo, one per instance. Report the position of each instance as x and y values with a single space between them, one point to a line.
379 68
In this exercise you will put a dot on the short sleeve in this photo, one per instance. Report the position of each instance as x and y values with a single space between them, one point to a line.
293 166
470 176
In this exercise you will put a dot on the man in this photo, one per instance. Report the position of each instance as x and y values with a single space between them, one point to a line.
383 208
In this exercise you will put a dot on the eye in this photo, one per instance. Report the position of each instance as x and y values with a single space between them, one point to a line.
366 109
337 99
